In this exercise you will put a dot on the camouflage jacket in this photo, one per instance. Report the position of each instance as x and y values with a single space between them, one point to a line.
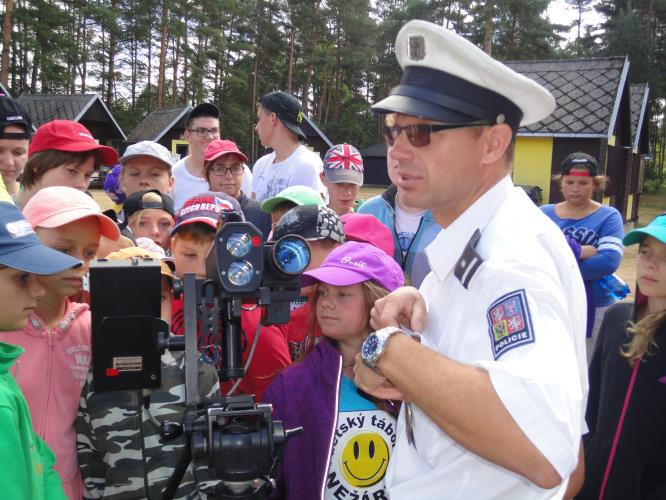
120 452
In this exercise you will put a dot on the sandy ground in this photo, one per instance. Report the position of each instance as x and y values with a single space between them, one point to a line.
650 206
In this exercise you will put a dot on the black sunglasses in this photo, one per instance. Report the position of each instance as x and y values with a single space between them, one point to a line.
419 134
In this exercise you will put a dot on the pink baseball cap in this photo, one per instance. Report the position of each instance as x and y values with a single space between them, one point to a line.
66 135
356 262
367 228
220 147
56 206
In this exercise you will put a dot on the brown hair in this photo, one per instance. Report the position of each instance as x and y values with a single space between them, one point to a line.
148 197
600 181
40 163
195 232
642 333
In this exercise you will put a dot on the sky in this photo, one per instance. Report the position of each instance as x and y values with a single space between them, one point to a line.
560 12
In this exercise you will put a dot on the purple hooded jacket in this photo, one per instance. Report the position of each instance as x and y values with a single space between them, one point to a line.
313 406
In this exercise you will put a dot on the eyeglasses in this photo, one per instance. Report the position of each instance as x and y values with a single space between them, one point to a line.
221 170
203 131
419 134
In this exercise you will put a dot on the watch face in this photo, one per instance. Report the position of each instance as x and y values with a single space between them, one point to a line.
369 346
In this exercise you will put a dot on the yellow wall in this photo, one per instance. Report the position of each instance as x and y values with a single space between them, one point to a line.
532 163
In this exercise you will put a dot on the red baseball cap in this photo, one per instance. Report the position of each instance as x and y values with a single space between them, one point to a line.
368 228
66 135
220 147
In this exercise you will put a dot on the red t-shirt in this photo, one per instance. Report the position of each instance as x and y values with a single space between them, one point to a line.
297 331
271 355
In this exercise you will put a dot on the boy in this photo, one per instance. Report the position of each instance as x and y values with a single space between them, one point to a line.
279 116
120 450
15 133
27 470
146 165
287 199
192 237
343 177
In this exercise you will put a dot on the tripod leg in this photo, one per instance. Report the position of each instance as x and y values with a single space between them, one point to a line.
177 476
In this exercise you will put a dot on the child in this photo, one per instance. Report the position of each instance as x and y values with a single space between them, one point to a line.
149 214
289 198
343 177
62 153
120 451
625 454
323 231
146 165
192 237
57 336
319 393
15 133
27 463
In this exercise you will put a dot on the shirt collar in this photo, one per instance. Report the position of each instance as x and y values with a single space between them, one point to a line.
448 246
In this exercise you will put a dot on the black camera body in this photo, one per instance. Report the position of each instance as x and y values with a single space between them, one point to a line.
126 325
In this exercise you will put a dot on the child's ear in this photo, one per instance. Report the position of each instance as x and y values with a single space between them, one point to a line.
172 243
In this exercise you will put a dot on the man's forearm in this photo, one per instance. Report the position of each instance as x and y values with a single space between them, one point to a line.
462 401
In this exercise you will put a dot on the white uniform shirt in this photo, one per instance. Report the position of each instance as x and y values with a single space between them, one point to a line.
522 318
186 185
302 168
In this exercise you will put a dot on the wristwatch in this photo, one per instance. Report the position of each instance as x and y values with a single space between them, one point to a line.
375 344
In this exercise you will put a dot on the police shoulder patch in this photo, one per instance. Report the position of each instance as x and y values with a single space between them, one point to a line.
510 324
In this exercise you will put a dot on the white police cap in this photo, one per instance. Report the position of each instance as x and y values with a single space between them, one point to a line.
447 78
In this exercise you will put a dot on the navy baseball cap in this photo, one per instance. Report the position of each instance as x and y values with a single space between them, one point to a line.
21 249
12 113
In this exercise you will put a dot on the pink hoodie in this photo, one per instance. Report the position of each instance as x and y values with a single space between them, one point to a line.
51 374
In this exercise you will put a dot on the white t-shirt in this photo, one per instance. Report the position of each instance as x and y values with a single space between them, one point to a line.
300 169
520 315
406 226
187 185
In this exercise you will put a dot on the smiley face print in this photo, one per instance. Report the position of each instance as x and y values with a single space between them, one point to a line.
364 459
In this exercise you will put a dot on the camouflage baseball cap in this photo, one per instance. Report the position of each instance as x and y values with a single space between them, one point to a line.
312 222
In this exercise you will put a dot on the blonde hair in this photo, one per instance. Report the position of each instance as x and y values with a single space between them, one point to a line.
642 341
600 181
148 197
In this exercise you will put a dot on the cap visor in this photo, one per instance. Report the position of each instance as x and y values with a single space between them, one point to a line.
206 220
222 153
108 228
421 109
107 155
126 158
271 203
336 276
295 129
39 259
637 235
339 175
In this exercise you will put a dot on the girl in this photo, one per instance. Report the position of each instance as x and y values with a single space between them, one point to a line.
347 436
625 450
57 336
62 153
15 131
594 231
149 214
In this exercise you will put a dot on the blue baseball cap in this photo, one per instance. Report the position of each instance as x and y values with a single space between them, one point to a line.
21 249
656 229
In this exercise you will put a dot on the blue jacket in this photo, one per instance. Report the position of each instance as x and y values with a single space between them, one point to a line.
314 406
415 262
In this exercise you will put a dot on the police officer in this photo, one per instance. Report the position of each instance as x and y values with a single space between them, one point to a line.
495 390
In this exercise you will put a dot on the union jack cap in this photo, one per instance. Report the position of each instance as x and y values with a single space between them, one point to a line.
343 163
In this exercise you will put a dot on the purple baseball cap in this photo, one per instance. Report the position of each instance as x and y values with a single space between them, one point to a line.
356 262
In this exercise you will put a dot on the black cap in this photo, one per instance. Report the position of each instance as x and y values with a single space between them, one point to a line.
204 109
311 222
12 113
580 160
287 108
135 202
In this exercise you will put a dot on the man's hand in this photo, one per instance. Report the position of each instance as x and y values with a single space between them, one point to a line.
370 381
405 306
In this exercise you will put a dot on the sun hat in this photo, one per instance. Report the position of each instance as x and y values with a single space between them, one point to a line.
56 206
355 262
